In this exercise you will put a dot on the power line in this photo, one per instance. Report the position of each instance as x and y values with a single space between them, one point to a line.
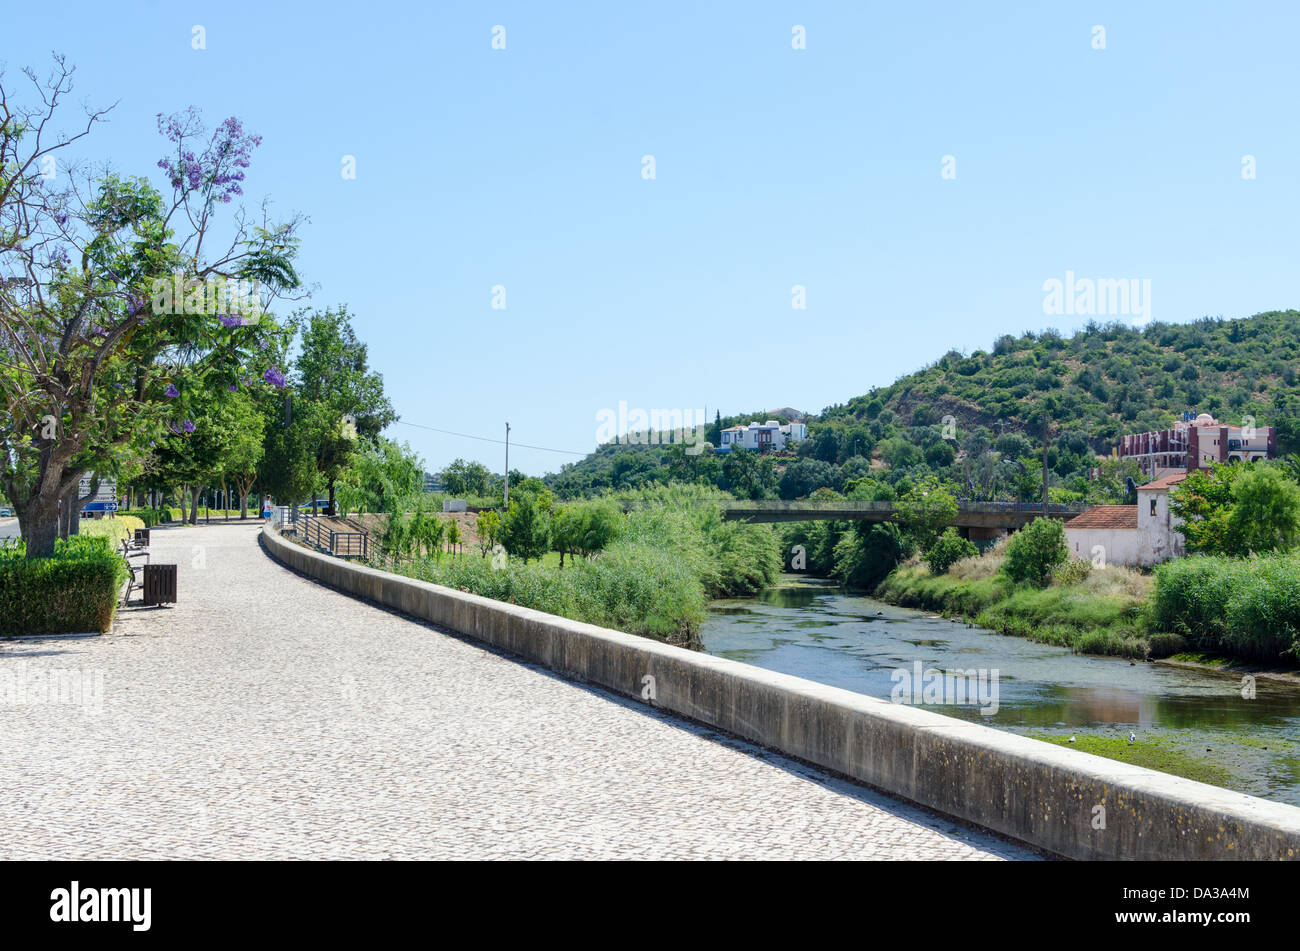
434 429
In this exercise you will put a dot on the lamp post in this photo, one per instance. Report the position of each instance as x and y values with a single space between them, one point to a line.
507 467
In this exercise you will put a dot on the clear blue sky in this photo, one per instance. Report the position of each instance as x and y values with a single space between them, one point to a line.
775 167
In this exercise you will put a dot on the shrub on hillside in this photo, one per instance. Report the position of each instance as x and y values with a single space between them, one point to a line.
73 591
948 550
1033 551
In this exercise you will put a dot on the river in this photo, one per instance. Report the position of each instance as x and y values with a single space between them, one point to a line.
811 628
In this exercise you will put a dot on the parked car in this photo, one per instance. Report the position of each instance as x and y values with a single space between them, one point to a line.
315 508
6 512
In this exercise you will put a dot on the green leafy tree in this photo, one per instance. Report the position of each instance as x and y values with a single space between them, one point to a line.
1033 551
924 509
1202 503
344 397
466 478
488 527
382 476
91 346
1237 509
525 529
867 553
948 550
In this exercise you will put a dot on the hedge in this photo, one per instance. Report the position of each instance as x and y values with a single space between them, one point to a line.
75 591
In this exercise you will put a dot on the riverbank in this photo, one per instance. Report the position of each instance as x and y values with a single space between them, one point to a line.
1100 611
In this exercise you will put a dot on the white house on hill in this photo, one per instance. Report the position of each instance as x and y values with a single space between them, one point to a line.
769 435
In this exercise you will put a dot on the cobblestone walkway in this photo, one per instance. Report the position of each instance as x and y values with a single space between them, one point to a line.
268 717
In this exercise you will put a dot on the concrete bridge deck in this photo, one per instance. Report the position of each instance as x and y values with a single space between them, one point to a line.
266 716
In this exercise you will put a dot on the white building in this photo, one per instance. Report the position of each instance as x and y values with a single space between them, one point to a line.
1142 534
768 435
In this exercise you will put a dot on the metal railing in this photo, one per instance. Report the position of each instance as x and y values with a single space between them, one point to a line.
338 544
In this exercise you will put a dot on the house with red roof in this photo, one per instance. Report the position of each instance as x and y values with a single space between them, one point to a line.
1135 535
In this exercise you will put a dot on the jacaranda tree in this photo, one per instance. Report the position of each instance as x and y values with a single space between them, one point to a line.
119 301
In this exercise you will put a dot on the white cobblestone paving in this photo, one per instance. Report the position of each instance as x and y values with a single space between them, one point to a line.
266 716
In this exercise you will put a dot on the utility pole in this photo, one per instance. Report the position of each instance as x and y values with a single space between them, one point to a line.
507 467
1046 417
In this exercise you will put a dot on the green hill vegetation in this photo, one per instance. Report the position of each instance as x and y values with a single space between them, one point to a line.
1094 386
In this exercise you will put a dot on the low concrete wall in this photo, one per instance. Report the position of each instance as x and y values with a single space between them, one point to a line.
1036 792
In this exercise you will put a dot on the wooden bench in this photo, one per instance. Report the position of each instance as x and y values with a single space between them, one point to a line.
134 571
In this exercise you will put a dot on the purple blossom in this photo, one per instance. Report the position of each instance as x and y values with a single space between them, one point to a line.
231 320
233 387
274 377
219 171
171 392
189 426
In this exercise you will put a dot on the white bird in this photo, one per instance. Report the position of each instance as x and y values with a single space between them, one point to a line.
1132 736
1071 739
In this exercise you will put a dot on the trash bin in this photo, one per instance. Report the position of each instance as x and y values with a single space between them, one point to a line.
159 584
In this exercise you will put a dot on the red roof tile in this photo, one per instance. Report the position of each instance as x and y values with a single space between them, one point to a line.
1168 482
1106 516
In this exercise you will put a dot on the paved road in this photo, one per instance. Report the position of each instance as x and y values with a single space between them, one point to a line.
268 717
8 528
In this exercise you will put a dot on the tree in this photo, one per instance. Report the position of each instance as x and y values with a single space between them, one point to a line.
748 475
867 553
1202 502
488 527
346 399
1266 511
466 478
91 339
383 476
948 550
1237 509
242 456
525 530
1033 551
924 509
453 535
287 471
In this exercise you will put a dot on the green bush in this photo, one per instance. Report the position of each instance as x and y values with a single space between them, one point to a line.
73 591
1247 607
1033 551
948 550
150 517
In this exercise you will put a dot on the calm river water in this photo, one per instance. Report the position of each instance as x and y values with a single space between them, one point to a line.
813 629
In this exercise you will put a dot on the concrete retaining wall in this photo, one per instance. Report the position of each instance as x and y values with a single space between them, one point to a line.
1036 792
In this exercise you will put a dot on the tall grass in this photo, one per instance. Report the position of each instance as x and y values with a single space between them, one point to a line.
1244 607
1100 614
654 580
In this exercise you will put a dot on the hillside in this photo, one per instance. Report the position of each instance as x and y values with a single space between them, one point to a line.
1098 384
1105 380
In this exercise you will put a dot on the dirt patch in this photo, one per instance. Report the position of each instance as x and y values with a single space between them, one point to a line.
374 526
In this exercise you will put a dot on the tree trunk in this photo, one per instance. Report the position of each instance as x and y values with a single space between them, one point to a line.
40 526
332 511
194 505
67 502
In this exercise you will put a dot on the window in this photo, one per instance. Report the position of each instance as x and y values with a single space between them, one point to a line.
1153 506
